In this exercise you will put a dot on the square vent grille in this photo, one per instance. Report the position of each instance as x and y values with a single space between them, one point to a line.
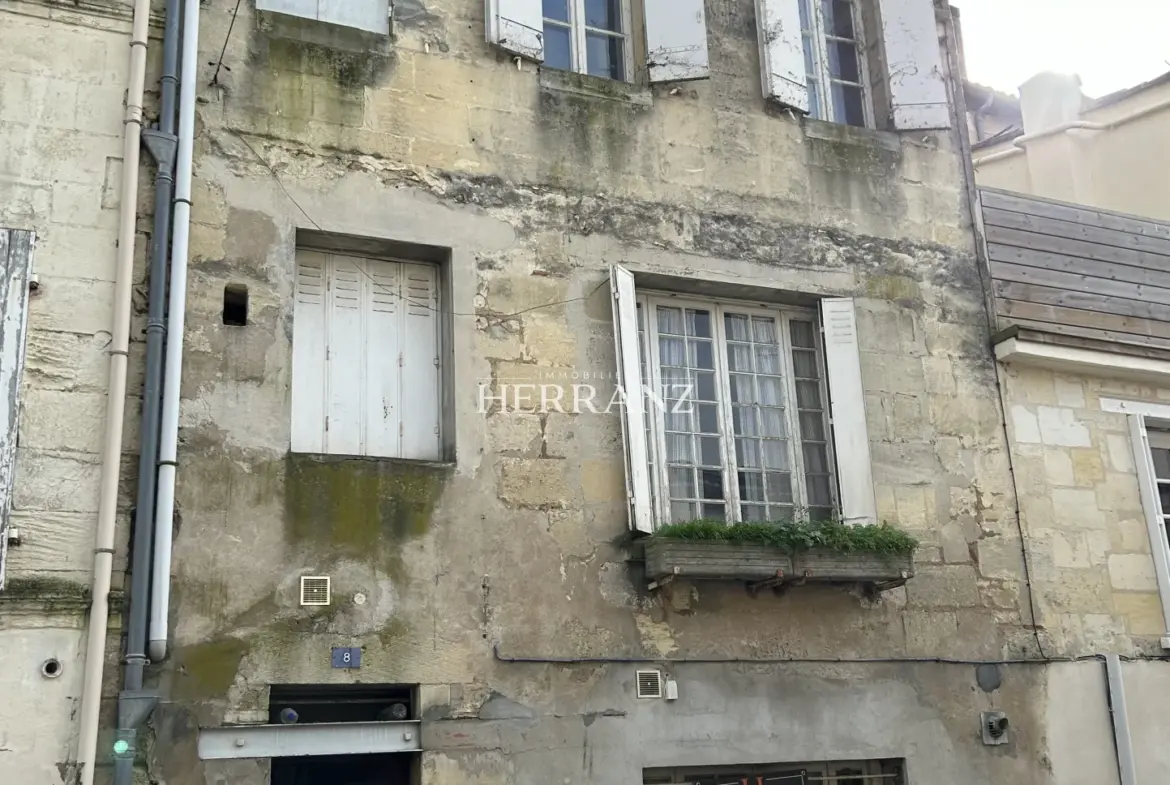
649 684
314 590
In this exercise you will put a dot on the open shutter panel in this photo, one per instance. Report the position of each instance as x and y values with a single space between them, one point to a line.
782 53
16 249
419 375
917 81
629 367
676 40
517 26
308 361
847 404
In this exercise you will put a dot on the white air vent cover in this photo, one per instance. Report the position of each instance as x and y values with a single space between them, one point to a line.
314 590
649 684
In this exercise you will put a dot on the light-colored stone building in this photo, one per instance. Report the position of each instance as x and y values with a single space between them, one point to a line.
395 225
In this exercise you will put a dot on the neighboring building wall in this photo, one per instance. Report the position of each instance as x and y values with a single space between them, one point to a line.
62 84
1111 169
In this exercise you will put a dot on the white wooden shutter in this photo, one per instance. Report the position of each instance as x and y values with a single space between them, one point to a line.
782 53
308 360
629 368
345 377
16 249
676 40
372 15
917 80
847 405
1148 487
383 344
517 26
420 371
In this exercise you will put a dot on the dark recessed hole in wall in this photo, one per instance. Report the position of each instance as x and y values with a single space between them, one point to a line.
235 305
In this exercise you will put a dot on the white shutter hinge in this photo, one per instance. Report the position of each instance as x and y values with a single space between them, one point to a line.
436 362
326 425
400 361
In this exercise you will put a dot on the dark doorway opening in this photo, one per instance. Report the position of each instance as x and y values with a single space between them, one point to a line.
388 769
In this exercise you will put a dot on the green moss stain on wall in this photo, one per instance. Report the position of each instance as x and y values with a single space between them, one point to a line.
355 506
207 670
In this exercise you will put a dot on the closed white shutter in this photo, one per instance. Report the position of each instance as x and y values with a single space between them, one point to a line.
372 15
629 368
917 80
420 371
345 377
847 405
16 248
366 375
676 40
308 360
782 53
517 26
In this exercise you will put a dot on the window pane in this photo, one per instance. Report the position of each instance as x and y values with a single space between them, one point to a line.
848 104
779 487
767 359
715 512
604 56
704 389
682 483
804 364
775 454
672 351
780 514
678 415
751 486
808 395
820 513
702 354
1161 463
772 423
745 421
816 459
742 388
1164 497
814 101
804 15
670 321
838 17
818 491
679 448
739 357
681 512
803 334
812 426
771 390
556 9
747 453
712 484
843 61
754 512
763 329
699 323
558 51
606 14
709 454
806 42
708 418
737 327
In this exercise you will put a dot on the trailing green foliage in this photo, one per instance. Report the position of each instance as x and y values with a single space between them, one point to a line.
792 536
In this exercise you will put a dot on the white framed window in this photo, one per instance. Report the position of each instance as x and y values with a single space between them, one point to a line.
748 412
1160 457
366 368
588 36
834 61
371 15
742 433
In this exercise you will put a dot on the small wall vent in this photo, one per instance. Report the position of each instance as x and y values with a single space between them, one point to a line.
649 684
314 590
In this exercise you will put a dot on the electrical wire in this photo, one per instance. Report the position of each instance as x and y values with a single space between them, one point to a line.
492 319
226 38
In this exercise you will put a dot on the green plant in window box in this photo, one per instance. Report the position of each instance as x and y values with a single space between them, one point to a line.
796 536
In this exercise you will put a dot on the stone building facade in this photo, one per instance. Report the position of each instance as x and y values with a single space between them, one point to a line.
498 579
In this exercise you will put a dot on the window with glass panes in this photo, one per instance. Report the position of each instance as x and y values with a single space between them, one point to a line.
867 772
833 60
1160 455
586 36
737 422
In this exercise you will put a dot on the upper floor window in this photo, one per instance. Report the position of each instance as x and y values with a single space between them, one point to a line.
861 772
366 363
586 36
833 61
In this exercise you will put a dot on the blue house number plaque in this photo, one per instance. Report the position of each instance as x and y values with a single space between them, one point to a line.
347 657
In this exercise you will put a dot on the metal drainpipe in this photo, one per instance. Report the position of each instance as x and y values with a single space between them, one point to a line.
134 703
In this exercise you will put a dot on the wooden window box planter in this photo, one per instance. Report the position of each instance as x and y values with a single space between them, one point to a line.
759 564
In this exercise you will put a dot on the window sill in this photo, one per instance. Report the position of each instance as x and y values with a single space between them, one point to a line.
587 86
851 134
337 458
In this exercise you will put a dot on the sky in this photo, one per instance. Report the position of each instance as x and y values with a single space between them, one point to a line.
1111 44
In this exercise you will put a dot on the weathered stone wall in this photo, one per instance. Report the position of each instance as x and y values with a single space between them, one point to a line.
62 84
1087 536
